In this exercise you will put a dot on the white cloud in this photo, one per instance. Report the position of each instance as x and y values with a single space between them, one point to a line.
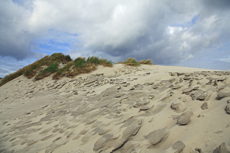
161 30
172 29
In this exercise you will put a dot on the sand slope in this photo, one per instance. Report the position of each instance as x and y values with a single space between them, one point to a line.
121 110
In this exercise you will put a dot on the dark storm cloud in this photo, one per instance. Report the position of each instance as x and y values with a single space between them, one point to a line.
15 39
216 4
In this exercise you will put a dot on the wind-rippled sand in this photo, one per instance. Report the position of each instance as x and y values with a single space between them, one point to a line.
120 110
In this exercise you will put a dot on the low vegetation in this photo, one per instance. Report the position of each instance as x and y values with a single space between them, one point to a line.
31 70
61 65
51 65
81 65
134 62
47 71
147 62
11 77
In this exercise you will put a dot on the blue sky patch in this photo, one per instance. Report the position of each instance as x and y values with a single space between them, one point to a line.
194 20
54 42
187 24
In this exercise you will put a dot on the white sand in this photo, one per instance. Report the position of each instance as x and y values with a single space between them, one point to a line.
116 111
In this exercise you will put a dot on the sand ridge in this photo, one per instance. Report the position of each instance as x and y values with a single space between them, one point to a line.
120 109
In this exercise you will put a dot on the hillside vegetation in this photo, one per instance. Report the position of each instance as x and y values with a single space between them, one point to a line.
31 70
81 65
134 62
61 65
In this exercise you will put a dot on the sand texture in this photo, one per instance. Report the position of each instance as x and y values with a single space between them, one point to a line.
124 109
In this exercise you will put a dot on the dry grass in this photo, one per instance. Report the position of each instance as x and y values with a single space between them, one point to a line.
148 62
81 65
11 77
134 62
47 71
130 62
72 68
31 70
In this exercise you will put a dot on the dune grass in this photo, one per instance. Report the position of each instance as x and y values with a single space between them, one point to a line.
11 77
147 62
134 62
81 65
31 70
47 71
70 69
52 68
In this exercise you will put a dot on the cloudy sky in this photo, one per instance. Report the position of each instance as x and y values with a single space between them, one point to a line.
184 33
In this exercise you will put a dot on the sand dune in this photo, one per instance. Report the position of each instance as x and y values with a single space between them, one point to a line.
122 109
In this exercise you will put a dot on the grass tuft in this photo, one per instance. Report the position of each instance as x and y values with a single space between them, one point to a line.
81 65
131 62
148 62
93 60
106 63
80 62
52 68
11 76
134 62
47 71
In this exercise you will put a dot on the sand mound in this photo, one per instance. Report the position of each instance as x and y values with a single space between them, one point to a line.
123 109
